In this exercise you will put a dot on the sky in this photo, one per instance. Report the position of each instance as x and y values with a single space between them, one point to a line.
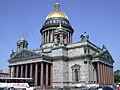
99 18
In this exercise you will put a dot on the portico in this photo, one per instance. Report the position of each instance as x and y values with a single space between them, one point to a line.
39 71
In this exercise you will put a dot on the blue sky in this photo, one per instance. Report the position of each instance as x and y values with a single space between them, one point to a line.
99 18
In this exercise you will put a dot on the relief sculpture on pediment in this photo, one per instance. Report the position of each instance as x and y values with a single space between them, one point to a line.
24 55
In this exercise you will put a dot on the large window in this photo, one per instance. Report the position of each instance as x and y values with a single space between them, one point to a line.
76 73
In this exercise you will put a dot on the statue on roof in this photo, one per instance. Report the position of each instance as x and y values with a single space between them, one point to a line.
104 47
84 37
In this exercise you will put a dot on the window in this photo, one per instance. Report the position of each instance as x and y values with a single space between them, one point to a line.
76 73
85 62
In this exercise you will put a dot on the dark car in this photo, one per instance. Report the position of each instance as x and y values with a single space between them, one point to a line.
107 88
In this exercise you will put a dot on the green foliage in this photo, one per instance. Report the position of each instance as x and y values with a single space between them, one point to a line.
117 76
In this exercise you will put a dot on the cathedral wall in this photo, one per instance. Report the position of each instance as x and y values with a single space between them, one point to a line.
75 52
84 70
59 51
60 73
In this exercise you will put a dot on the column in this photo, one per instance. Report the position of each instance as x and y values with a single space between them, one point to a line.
98 66
21 71
107 76
26 71
10 74
48 37
68 37
17 71
51 76
31 69
42 37
45 37
112 75
103 74
46 74
100 73
71 37
13 71
51 37
41 76
36 73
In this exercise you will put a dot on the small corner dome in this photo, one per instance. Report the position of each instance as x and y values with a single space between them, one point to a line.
57 13
22 40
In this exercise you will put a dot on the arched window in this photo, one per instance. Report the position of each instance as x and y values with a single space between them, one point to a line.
76 75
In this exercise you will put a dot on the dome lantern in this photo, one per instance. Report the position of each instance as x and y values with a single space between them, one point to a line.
57 6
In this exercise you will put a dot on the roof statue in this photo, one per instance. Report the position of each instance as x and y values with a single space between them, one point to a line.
84 37
104 47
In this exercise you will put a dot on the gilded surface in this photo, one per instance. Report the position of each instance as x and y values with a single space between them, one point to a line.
57 13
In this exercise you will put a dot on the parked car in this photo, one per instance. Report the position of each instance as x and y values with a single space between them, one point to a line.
92 88
107 88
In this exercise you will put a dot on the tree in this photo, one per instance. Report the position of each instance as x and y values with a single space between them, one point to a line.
117 76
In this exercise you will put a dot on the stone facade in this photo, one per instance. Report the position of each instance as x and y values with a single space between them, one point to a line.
59 62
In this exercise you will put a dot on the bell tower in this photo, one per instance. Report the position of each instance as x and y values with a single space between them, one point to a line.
22 44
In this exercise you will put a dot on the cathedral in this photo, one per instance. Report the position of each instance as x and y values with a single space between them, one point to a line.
59 61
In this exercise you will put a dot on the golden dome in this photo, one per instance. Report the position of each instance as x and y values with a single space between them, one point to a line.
57 12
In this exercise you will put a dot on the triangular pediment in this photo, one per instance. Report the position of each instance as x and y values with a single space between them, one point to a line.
25 54
105 54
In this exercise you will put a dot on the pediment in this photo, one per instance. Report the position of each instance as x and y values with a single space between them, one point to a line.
75 66
105 55
25 54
